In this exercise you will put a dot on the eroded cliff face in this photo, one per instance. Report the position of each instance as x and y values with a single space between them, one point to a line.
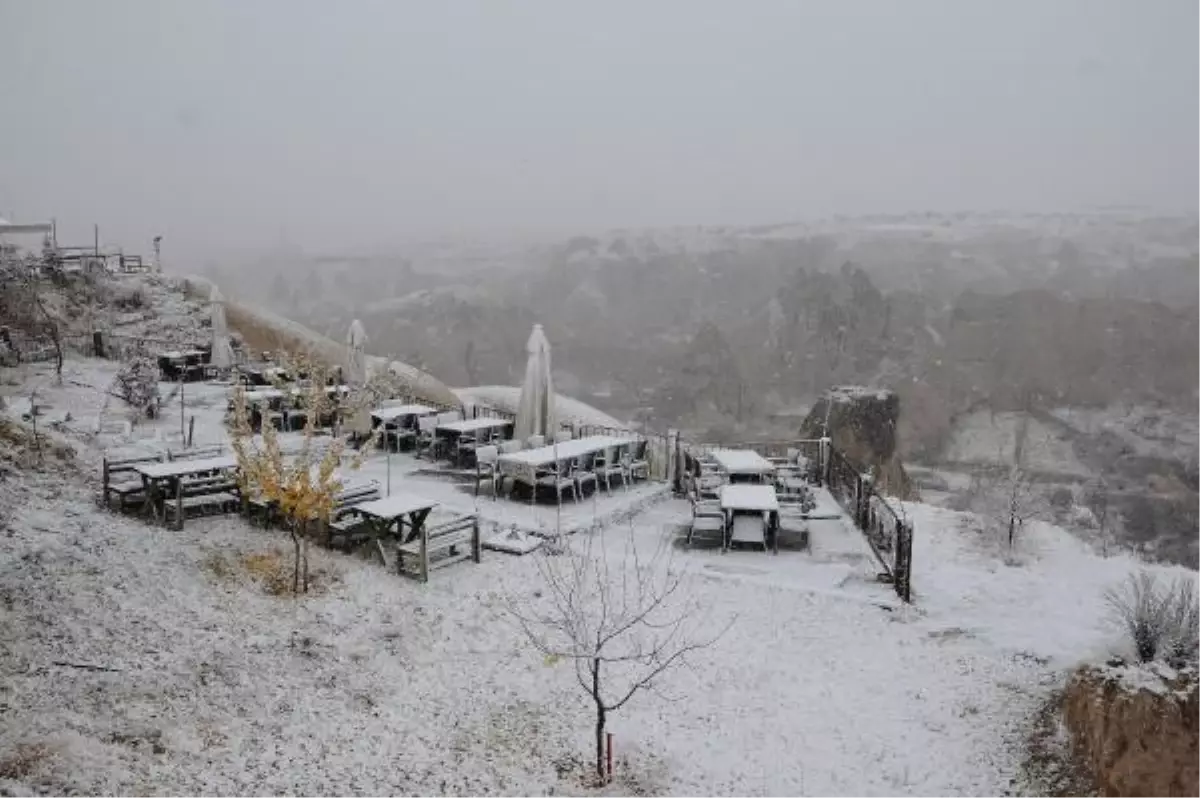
1135 728
862 423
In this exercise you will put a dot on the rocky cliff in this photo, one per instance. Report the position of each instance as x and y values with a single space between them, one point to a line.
862 423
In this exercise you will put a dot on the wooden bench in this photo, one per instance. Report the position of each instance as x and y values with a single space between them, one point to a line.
343 521
203 496
195 453
129 491
417 557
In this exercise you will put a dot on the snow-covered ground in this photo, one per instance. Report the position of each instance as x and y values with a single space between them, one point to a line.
987 438
823 684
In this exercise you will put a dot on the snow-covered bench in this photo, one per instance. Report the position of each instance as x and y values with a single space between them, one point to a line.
119 479
438 546
202 496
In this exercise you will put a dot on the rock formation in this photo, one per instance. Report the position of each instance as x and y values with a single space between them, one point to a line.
862 425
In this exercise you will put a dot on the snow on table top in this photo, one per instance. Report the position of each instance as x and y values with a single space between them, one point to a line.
264 395
396 505
567 450
178 468
742 461
389 413
473 425
748 497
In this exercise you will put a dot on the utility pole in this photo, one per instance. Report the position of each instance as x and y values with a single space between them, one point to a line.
158 254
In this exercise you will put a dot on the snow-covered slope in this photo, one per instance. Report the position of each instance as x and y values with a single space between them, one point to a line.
138 659
276 330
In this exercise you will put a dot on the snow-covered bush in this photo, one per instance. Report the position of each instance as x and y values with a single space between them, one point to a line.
137 384
1159 619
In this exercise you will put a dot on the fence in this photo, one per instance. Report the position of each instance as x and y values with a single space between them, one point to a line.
887 534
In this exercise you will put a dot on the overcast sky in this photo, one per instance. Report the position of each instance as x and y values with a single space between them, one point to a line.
228 125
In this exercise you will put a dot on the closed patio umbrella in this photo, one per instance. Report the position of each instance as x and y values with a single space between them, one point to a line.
222 350
356 341
536 414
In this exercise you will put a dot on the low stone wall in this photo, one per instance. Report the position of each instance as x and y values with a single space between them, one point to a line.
1135 728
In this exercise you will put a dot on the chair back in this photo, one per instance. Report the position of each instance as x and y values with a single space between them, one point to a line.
486 455
562 436
427 424
536 441
508 447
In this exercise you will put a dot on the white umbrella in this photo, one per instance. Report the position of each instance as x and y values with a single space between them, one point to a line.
222 351
536 414
356 341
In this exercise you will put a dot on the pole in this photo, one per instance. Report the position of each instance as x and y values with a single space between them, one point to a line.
183 439
387 447
96 238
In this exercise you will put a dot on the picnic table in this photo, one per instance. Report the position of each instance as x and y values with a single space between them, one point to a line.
470 426
161 480
529 461
473 425
396 510
742 462
743 498
263 395
389 414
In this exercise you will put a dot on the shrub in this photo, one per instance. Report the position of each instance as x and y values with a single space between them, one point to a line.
1160 620
137 384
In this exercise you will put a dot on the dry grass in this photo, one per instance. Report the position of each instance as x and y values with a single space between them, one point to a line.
1051 766
23 760
271 570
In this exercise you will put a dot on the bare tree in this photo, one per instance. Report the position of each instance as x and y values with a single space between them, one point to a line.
621 624
51 327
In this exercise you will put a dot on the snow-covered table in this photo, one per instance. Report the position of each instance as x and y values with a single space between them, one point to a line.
263 395
527 463
758 499
473 425
742 461
184 468
161 480
388 414
382 514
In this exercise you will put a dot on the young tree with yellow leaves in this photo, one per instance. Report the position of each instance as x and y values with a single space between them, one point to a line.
303 488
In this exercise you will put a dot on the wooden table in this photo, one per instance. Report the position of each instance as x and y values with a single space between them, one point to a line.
155 475
751 499
394 510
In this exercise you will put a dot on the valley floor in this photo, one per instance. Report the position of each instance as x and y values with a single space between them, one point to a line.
212 683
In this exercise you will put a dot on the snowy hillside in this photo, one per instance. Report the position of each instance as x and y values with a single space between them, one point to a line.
185 673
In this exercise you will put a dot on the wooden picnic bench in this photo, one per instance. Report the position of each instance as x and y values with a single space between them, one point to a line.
127 486
439 546
201 496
